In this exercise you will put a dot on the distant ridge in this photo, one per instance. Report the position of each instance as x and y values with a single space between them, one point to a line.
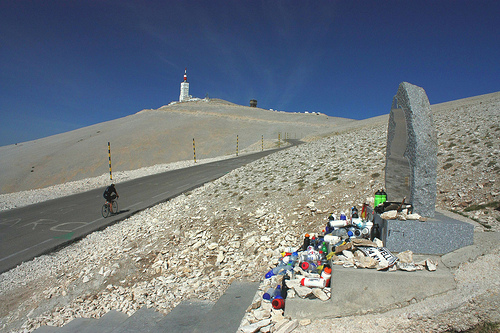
152 137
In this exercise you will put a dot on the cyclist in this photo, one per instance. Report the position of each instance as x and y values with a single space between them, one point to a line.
110 193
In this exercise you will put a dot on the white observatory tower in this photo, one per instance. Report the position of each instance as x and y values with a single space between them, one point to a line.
184 88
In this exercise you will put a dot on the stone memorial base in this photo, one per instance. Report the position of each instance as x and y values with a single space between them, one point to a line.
440 234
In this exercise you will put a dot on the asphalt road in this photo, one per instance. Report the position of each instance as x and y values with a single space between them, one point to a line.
31 231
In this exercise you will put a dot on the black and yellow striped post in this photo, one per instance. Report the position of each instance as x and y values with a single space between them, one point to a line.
262 142
109 157
194 151
237 144
279 140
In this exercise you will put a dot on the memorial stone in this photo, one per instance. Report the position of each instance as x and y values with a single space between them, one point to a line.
411 156
411 172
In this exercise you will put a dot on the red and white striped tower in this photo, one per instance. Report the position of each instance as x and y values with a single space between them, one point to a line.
184 96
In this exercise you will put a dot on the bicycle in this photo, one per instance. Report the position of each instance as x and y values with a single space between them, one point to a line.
109 208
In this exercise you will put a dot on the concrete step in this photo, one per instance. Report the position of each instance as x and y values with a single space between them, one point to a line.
184 317
105 324
189 316
47 329
226 315
143 320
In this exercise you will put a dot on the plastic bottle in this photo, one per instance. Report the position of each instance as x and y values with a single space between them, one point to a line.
332 216
294 257
332 239
375 232
342 216
378 198
281 269
354 212
324 248
313 282
357 222
340 232
326 274
308 266
306 243
383 195
314 242
338 223
272 293
278 303
354 233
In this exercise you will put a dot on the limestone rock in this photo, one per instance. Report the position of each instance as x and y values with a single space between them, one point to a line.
319 293
431 264
303 292
390 215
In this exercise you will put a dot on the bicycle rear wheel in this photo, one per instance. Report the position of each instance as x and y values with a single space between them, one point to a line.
105 210
115 207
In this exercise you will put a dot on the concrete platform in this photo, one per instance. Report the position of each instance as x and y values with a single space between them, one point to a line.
360 291
440 234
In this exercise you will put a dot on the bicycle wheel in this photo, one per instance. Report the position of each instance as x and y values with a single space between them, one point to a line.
115 207
105 210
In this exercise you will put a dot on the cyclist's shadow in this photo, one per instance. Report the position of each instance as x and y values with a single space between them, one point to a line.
121 211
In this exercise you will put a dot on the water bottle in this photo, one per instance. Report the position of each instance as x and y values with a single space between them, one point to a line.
309 266
324 248
340 232
358 222
326 274
332 239
354 232
272 293
294 257
378 198
338 223
383 195
354 212
278 303
313 282
312 254
281 269
306 243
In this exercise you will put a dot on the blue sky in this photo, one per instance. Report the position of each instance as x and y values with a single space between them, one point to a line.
69 64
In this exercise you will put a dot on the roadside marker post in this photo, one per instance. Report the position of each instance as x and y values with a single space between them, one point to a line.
237 144
109 157
194 151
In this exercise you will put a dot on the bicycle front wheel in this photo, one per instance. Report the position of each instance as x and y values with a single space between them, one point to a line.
105 210
115 207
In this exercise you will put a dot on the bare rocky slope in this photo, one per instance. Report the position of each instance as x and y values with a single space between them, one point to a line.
196 244
151 137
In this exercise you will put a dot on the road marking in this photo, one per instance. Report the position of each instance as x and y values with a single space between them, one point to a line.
161 194
29 248
138 203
